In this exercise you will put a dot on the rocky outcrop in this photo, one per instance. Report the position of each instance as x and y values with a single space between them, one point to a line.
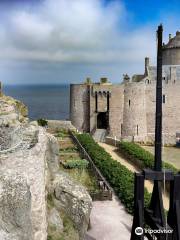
74 199
68 196
29 169
29 158
55 221
15 207
25 150
12 112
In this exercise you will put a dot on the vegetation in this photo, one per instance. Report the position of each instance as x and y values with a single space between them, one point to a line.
104 80
85 178
68 232
140 157
76 163
42 122
120 178
68 149
88 80
62 133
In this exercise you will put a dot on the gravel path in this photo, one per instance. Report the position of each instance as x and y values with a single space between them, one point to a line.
113 151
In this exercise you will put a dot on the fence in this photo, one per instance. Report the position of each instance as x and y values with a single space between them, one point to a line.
105 192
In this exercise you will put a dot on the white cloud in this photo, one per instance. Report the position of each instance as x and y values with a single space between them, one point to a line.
81 37
73 31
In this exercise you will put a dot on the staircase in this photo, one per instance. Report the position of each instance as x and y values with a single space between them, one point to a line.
100 135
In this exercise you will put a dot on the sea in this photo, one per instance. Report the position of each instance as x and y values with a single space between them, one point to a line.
43 101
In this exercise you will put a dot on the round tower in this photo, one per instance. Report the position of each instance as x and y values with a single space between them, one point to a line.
171 51
80 106
134 117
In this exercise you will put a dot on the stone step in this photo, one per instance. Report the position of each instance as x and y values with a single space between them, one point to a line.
100 135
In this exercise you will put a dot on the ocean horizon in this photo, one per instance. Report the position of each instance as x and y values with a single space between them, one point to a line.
43 101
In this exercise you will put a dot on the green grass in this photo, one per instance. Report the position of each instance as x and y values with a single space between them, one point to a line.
68 150
68 232
83 177
62 133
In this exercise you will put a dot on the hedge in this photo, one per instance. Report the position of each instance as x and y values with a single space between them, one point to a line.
119 177
140 157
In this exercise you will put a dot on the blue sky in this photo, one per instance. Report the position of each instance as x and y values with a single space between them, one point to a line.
151 10
63 41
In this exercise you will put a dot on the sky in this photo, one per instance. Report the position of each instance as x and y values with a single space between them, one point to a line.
65 41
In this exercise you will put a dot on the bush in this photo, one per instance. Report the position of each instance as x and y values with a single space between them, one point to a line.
119 177
76 163
42 122
140 157
69 149
62 133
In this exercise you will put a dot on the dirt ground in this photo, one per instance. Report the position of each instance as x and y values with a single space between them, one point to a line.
113 151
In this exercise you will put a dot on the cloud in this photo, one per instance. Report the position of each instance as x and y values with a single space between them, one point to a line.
73 31
71 39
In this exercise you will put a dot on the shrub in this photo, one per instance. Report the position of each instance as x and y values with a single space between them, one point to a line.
69 149
140 157
42 122
76 163
62 133
119 177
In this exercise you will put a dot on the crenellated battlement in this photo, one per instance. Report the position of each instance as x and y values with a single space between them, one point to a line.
126 110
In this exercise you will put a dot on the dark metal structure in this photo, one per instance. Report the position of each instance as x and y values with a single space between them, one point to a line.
154 218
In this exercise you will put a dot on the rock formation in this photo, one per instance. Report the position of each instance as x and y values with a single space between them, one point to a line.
28 170
12 112
74 199
15 207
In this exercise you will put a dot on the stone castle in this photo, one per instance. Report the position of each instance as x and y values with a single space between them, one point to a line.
126 111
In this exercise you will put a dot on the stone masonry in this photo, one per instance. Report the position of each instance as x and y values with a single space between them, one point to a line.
127 110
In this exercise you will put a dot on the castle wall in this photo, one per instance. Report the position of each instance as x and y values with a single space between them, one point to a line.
171 112
79 106
1 90
150 98
116 110
131 107
171 56
101 90
134 117
93 114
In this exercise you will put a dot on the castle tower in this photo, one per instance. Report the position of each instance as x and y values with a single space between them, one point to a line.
134 116
146 66
0 89
80 106
171 51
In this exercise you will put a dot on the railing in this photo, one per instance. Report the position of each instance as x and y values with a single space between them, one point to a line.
105 191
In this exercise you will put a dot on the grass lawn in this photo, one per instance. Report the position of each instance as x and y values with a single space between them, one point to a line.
169 154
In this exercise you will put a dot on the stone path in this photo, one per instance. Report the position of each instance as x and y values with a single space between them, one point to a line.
109 221
113 151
